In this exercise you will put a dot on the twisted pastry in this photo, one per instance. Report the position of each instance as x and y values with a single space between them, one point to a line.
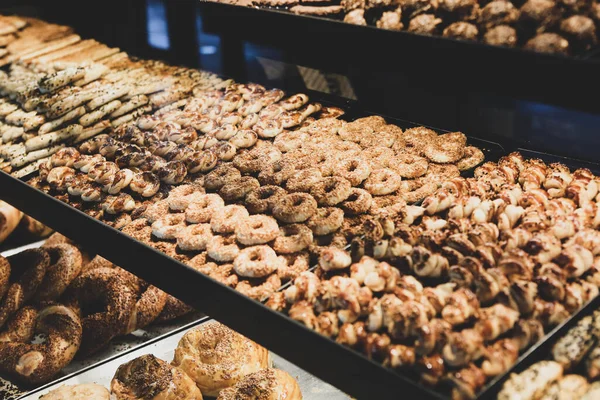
148 377
38 363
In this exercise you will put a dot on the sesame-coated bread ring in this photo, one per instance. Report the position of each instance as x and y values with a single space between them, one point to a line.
202 209
292 239
378 156
409 165
472 157
151 301
266 384
180 197
226 219
293 265
359 202
295 207
354 169
110 288
326 220
382 181
169 226
256 262
223 248
65 265
262 200
219 176
239 188
139 229
416 139
256 229
259 289
173 309
216 357
156 211
302 181
27 271
194 237
148 377
331 191
39 363
83 391
446 148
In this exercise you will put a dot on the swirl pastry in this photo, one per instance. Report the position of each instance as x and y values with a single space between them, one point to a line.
266 384
216 357
148 377
83 391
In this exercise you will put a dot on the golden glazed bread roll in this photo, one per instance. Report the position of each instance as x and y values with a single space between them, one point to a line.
9 219
84 391
266 384
216 357
149 378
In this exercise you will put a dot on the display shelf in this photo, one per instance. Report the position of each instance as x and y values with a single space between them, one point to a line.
341 367
344 368
433 62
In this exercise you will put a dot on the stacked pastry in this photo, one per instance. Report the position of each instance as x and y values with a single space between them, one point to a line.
549 26
571 372
458 286
71 91
79 301
211 360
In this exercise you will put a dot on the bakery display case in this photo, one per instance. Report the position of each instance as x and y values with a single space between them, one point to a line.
385 257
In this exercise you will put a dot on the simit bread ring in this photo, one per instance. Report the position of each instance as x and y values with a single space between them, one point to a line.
150 304
326 220
65 265
194 237
27 270
83 391
110 288
263 199
331 191
174 308
256 262
219 176
216 357
266 384
383 181
295 207
202 209
169 226
38 363
256 229
293 238
446 148
259 289
226 219
148 377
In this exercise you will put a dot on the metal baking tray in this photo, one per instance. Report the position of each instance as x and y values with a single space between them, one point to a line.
346 369
164 347
10 390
